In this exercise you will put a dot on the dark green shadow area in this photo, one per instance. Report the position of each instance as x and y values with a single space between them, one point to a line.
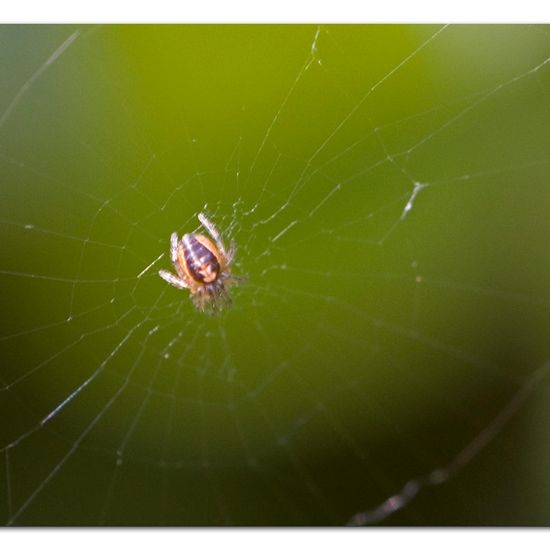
387 189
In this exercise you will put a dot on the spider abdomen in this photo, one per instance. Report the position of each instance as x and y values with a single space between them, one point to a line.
197 258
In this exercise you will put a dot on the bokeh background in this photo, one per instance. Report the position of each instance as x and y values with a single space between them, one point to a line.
387 189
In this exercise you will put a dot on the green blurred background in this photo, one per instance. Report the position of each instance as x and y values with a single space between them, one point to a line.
387 189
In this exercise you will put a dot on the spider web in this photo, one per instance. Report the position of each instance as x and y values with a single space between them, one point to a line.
387 191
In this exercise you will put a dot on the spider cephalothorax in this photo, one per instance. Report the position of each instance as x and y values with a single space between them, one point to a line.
202 266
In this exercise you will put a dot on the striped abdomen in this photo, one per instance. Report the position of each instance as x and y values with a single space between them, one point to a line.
197 259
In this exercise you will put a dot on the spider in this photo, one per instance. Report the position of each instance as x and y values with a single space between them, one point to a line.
202 267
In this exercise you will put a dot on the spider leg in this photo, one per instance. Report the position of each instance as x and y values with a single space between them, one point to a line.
174 246
174 241
173 280
210 227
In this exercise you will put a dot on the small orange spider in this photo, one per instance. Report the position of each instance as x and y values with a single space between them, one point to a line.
202 267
